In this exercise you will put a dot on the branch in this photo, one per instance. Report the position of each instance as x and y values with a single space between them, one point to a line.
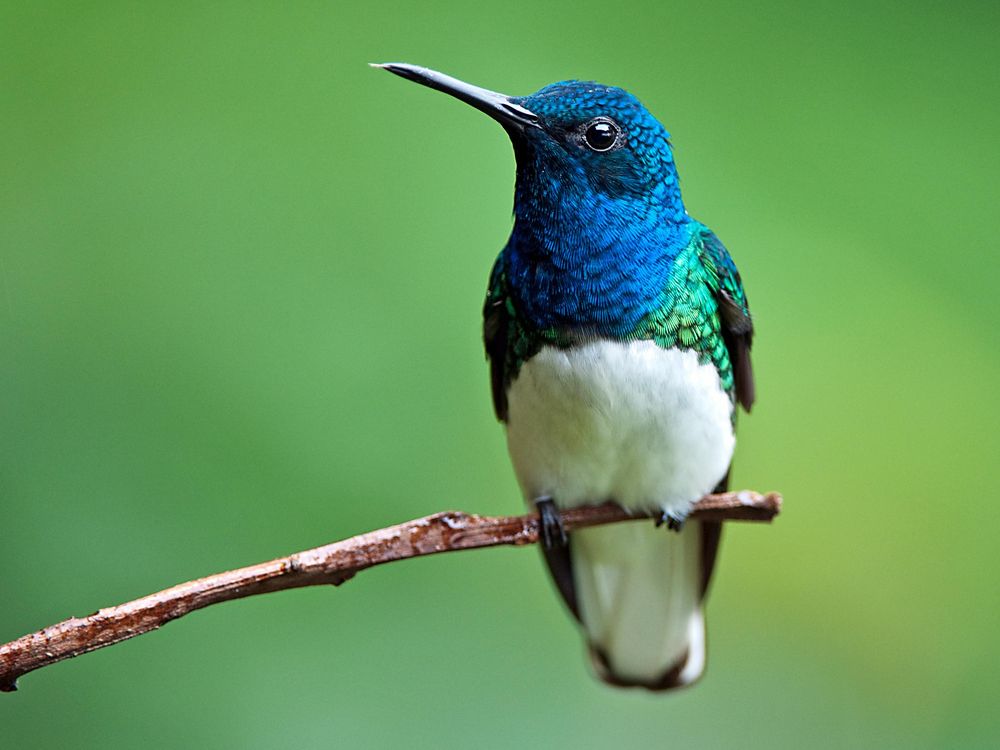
333 563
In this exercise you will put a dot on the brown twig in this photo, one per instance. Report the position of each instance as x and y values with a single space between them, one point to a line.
333 563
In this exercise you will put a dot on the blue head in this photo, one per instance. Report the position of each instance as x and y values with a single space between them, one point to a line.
598 215
598 148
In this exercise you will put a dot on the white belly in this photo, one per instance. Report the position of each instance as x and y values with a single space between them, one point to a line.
631 422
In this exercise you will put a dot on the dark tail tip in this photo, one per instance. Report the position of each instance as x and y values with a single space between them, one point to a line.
670 679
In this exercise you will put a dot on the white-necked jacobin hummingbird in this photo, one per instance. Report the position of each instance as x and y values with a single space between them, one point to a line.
618 336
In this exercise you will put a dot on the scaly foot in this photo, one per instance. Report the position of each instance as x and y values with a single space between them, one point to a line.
550 524
673 522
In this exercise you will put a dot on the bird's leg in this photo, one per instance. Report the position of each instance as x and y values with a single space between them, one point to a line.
550 525
555 547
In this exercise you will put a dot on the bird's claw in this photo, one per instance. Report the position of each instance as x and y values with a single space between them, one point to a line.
673 522
550 525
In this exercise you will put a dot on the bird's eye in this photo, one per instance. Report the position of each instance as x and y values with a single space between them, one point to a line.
601 134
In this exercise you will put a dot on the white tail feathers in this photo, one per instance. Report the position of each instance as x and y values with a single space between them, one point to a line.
639 589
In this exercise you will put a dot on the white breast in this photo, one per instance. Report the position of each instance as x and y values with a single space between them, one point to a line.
627 421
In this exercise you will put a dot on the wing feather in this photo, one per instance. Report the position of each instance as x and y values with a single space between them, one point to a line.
734 316
496 328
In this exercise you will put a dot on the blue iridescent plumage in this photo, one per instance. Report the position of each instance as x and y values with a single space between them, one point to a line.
594 233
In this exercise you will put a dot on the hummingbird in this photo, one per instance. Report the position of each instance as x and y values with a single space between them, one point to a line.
618 337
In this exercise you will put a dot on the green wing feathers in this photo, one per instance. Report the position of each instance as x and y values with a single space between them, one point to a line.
736 326
704 308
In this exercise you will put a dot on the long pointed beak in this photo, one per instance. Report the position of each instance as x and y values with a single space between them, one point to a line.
501 108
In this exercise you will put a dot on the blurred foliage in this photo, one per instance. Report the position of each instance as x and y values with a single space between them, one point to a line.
241 280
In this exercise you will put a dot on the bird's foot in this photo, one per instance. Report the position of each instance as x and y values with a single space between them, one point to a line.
673 521
550 525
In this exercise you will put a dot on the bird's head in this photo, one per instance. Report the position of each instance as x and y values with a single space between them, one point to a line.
598 133
580 146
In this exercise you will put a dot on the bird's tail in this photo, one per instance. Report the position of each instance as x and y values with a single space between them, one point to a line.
640 590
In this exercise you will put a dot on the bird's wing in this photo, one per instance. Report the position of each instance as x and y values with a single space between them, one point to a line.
737 334
496 327
734 314
502 340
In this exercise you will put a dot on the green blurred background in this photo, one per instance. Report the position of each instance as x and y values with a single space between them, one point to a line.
241 282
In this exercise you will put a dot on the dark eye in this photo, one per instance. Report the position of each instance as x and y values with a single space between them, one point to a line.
601 134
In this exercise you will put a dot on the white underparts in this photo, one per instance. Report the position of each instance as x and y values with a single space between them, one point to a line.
632 422
649 428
